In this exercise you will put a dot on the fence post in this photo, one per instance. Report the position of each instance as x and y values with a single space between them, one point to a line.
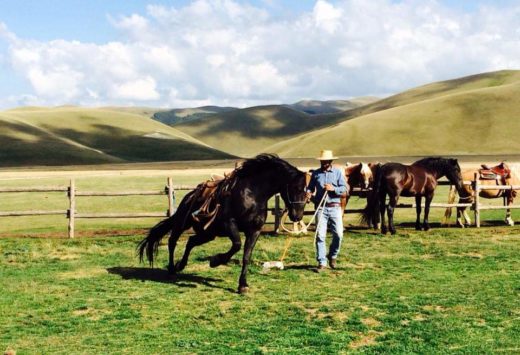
171 197
276 213
72 207
476 200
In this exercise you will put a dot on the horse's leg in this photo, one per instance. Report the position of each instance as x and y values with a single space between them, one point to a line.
418 199
467 219
172 243
392 202
382 210
197 239
251 238
461 213
427 202
509 197
236 244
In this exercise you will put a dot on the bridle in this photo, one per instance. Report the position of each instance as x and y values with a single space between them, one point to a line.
303 202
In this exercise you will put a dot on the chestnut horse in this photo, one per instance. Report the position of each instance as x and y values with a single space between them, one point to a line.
511 177
357 175
418 180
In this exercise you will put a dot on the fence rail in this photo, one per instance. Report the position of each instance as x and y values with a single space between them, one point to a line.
169 191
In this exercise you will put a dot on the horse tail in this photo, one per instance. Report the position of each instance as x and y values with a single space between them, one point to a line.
451 199
149 246
370 215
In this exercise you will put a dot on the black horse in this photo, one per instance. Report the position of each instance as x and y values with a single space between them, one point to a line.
242 199
418 179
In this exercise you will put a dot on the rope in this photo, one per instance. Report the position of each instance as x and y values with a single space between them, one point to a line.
305 226
289 240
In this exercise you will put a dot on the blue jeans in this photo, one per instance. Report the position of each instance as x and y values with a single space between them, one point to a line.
332 217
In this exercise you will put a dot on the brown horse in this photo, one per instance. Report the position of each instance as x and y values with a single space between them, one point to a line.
506 176
357 175
418 180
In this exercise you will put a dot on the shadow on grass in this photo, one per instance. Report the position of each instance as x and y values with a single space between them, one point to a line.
162 276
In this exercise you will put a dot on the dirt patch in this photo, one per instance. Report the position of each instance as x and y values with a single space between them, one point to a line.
90 313
82 273
371 322
365 340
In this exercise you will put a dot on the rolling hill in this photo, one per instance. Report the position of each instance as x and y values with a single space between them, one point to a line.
478 114
72 135
249 131
316 107
182 115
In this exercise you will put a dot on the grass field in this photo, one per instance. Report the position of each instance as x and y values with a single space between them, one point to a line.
446 290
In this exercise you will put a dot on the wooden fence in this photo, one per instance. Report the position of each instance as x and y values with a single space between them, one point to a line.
170 189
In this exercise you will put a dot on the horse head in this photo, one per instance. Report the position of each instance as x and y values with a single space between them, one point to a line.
359 175
454 175
294 196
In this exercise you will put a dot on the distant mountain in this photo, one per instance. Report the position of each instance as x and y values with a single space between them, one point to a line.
246 132
183 115
314 107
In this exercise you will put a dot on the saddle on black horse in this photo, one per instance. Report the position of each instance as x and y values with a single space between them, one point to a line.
209 195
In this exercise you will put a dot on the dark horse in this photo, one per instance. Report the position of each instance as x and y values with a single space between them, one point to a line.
418 179
243 208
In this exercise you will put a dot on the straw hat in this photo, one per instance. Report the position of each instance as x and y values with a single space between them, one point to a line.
327 155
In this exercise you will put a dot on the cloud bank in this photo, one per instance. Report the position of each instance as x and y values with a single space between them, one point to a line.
232 53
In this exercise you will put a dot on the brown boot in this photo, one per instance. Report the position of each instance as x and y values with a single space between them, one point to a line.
332 262
321 268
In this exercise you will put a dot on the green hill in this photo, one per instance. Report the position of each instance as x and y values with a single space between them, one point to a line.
478 114
72 135
316 107
183 115
249 131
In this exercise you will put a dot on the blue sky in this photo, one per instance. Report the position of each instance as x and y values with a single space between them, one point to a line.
170 53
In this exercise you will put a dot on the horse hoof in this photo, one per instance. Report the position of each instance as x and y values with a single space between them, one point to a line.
214 261
171 270
417 228
426 228
178 267
243 289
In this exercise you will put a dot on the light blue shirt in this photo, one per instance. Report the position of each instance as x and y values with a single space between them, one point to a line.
320 177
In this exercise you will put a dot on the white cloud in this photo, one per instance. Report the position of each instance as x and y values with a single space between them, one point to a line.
230 53
140 89
326 16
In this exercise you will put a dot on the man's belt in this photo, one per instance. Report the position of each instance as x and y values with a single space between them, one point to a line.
333 204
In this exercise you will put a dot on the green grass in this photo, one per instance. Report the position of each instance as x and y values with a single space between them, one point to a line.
442 291
446 290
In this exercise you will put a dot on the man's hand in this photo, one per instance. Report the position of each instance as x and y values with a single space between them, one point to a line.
308 195
329 187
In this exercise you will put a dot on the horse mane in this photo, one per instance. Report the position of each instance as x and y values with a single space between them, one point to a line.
433 163
264 162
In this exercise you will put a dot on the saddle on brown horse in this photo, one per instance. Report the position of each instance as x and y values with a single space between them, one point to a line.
500 172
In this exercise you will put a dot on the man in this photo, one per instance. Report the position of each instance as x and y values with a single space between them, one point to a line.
331 180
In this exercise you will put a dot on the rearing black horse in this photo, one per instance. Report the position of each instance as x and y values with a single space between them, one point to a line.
418 180
243 208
